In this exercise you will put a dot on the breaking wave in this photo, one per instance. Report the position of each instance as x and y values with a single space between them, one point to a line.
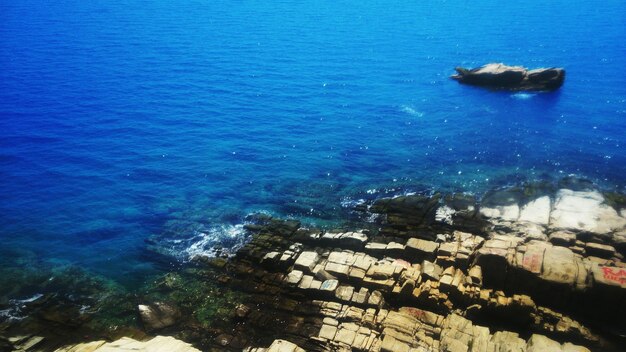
222 240
16 308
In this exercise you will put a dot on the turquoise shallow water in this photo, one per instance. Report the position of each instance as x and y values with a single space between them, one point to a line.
119 120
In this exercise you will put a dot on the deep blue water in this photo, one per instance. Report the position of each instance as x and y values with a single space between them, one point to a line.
121 119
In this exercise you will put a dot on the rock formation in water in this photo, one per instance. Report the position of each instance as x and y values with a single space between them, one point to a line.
518 78
532 268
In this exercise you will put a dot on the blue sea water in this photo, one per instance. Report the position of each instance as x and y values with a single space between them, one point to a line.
120 120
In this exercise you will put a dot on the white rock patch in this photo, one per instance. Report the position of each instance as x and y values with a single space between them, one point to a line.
504 212
584 211
537 211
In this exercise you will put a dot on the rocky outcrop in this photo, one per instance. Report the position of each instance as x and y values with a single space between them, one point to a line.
555 276
526 268
156 344
500 76
585 213
419 283
393 299
441 270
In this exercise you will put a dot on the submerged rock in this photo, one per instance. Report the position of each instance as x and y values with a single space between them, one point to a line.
158 315
500 76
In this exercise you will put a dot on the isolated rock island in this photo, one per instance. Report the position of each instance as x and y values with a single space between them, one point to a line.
517 78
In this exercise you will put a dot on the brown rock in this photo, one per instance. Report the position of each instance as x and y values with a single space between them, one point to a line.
500 76
158 315
600 250
306 261
563 238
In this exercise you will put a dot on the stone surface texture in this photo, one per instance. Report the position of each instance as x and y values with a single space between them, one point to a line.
156 344
500 76
523 269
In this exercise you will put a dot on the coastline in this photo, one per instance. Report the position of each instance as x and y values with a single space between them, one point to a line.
292 176
525 265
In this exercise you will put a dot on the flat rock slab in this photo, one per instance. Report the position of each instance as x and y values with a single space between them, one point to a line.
157 344
536 211
584 211
306 261
608 275
284 346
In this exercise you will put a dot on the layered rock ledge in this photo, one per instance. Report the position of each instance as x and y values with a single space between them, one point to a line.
159 343
531 268
500 76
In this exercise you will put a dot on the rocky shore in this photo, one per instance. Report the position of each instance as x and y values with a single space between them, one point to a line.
536 267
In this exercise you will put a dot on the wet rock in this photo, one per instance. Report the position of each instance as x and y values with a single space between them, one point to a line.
502 204
283 228
500 76
242 311
461 211
61 313
406 213
576 184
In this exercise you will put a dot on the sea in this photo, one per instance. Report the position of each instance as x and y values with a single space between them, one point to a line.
124 120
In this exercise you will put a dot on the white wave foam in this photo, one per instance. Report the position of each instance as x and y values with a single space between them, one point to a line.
372 217
347 202
28 300
14 312
9 315
229 238
411 111
444 214
523 96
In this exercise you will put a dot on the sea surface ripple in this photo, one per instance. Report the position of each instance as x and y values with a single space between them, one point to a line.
119 118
